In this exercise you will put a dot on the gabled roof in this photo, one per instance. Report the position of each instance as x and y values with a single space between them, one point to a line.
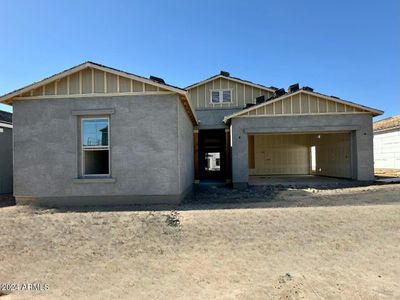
5 117
260 86
8 98
85 65
373 111
387 124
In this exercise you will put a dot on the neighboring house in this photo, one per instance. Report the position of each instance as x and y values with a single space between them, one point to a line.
96 135
6 155
387 143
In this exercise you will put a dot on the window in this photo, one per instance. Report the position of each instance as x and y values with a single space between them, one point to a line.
226 96
213 161
215 96
221 96
95 147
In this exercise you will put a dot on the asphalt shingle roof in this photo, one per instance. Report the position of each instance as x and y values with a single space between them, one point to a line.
388 123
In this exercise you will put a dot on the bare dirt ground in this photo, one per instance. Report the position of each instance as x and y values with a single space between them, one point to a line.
286 244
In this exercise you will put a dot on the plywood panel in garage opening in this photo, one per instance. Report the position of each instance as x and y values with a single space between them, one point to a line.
333 155
281 155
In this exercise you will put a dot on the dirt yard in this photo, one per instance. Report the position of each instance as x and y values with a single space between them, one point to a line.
296 244
387 173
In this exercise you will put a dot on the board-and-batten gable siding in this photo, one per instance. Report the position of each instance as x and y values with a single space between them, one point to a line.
92 81
303 104
200 96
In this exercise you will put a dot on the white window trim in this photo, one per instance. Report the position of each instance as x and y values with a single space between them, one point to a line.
98 148
220 95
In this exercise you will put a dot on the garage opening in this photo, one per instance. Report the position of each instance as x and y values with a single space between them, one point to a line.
325 154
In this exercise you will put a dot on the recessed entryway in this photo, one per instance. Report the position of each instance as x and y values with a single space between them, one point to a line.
212 154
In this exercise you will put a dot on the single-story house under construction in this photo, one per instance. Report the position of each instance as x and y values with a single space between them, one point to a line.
96 135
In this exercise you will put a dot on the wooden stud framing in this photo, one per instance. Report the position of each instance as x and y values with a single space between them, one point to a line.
197 96
236 93
80 82
105 82
291 104
228 176
196 155
300 104
205 94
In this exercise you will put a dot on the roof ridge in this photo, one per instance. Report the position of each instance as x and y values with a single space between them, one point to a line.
229 77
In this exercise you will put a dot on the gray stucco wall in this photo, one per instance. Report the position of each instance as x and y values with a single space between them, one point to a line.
144 150
359 124
214 118
186 151
6 160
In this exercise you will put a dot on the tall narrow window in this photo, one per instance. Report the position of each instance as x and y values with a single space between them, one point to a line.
215 96
226 96
95 147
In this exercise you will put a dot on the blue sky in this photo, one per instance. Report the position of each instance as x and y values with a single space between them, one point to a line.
350 49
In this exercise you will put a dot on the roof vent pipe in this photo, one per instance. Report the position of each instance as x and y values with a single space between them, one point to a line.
293 88
157 79
260 99
279 92
307 88
224 73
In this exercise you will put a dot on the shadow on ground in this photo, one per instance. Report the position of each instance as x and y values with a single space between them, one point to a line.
6 200
222 197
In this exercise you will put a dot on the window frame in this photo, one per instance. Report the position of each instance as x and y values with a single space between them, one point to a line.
95 148
221 97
